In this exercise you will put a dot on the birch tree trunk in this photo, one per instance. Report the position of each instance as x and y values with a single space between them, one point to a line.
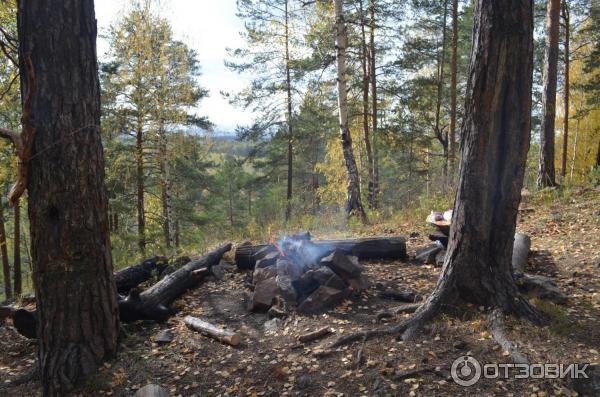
78 318
365 64
546 173
139 159
353 203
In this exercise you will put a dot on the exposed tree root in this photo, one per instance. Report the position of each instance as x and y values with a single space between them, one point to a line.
394 311
497 329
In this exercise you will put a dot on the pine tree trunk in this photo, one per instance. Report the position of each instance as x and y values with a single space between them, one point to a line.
290 150
365 63
546 173
68 206
353 204
18 284
4 256
453 85
166 198
141 215
442 138
477 268
566 91
374 190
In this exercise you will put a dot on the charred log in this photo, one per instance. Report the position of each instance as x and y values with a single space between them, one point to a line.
153 303
363 248
132 276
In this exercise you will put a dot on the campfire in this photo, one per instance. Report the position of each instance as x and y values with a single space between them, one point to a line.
294 273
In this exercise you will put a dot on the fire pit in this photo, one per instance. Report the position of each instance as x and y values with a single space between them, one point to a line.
294 273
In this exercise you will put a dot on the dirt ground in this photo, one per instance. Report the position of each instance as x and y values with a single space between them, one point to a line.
565 245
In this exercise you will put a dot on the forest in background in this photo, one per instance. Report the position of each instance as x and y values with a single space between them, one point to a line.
176 186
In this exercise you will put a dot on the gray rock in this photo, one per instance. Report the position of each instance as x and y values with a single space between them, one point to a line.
344 266
268 259
164 337
288 268
152 390
263 273
264 293
541 287
288 292
320 300
272 324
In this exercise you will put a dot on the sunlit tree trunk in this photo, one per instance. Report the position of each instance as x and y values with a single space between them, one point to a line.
546 173
353 204
78 318
567 26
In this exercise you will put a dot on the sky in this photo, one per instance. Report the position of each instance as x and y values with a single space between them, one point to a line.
209 27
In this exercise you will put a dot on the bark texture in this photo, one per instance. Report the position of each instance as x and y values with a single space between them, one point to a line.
453 67
72 262
546 173
566 17
353 204
4 257
495 140
17 251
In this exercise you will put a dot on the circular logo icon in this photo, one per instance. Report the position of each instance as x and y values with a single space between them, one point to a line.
466 371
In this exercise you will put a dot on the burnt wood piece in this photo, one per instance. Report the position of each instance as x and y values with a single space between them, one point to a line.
363 248
314 335
153 303
132 276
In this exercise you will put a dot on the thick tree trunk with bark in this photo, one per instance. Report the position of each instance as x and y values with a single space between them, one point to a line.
478 263
4 256
546 172
453 72
68 207
567 88
353 203
18 283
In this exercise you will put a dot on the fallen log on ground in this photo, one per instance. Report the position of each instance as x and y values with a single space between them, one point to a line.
153 303
132 276
208 329
363 248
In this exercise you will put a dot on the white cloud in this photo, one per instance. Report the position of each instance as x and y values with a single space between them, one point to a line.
208 26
